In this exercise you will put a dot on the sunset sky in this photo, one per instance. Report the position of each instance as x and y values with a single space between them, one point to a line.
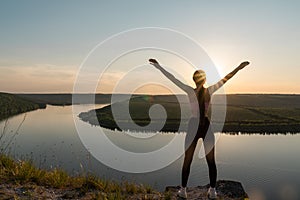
43 43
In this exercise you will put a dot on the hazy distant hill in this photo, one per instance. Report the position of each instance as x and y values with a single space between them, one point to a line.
11 104
66 99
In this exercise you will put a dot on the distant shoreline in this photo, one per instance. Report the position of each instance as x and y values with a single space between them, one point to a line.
246 113
62 99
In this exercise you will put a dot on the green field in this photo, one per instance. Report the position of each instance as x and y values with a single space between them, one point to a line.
244 113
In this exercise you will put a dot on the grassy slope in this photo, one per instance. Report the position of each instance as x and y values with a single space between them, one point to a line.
22 180
245 113
11 104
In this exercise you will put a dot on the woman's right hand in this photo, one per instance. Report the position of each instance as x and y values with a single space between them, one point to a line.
153 62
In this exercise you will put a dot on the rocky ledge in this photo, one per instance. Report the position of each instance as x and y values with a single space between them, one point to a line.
227 190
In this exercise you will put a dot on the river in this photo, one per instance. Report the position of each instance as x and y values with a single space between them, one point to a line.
267 165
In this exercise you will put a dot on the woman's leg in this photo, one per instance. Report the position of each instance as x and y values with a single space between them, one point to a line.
209 143
210 159
190 145
188 158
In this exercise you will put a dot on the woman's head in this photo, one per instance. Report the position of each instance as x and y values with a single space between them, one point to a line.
199 77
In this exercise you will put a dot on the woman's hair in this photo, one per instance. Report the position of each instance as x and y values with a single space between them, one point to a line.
199 76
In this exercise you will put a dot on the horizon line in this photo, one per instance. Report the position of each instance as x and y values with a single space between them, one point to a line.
160 94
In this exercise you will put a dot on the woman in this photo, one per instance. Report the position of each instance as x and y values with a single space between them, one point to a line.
199 123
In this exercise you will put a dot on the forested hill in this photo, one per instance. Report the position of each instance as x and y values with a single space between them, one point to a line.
11 104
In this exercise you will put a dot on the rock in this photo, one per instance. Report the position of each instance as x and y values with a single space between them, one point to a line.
227 190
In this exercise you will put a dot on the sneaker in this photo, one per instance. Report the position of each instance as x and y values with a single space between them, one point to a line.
212 194
182 193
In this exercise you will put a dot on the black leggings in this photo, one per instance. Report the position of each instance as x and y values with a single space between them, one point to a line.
193 134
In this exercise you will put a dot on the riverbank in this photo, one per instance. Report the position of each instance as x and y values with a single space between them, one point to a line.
11 104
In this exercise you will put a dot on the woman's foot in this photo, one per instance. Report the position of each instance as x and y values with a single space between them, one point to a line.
182 193
212 193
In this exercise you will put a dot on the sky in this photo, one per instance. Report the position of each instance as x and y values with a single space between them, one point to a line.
44 43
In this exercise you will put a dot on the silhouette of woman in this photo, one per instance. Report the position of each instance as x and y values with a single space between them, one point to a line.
199 124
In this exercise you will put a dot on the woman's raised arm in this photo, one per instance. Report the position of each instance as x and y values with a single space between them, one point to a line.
219 84
170 76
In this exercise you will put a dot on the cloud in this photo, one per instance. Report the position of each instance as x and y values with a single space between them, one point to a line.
51 71
37 78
